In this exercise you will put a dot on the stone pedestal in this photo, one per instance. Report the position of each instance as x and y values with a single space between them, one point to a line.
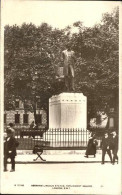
67 120
68 110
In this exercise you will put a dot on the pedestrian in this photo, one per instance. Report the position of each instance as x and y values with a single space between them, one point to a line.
10 145
91 148
114 146
105 145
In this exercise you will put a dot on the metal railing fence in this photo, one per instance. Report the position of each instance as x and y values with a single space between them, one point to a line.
66 138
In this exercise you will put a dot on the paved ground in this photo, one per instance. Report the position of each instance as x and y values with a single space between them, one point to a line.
57 156
57 178
71 175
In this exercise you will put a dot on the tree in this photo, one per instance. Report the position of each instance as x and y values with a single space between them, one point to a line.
97 66
32 53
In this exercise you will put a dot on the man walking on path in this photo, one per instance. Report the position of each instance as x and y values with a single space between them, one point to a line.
10 145
105 145
114 146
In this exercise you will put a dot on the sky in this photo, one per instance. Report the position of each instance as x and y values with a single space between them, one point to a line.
58 14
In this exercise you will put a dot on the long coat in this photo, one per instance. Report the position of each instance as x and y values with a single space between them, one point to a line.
10 144
68 57
114 142
91 148
105 143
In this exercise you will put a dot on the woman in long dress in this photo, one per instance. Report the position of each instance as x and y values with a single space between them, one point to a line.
91 148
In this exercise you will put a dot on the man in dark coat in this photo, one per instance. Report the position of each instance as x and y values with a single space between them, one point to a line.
105 145
114 146
10 145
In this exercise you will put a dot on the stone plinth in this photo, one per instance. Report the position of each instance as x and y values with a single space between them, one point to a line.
68 110
67 120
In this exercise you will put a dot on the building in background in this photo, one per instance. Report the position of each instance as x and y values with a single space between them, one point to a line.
23 118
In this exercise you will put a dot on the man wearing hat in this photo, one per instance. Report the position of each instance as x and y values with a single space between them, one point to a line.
114 145
105 145
10 145
11 125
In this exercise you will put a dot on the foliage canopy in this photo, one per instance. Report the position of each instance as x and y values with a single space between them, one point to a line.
32 53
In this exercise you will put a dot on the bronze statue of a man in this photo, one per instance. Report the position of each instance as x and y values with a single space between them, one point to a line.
68 70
